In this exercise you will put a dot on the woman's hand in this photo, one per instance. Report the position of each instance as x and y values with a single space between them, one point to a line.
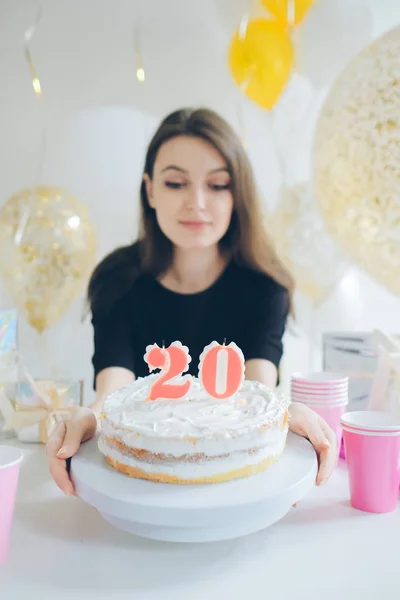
309 424
65 442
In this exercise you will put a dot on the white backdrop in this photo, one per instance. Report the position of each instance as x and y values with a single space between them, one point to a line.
99 120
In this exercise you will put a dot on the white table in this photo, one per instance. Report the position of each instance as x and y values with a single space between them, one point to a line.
323 549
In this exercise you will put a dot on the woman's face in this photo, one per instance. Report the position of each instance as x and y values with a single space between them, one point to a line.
191 192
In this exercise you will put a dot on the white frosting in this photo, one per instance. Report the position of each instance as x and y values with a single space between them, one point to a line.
199 424
197 416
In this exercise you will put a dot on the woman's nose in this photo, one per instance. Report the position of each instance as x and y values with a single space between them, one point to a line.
197 198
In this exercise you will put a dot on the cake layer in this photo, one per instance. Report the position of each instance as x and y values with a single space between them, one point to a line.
168 478
195 467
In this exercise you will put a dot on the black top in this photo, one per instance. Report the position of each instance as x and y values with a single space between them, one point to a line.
242 306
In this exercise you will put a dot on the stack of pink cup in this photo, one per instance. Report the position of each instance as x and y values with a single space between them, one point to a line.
326 393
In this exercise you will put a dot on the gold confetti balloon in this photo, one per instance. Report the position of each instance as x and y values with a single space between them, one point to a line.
357 160
303 244
47 249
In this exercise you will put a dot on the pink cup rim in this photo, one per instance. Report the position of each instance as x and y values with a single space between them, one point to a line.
10 456
320 378
370 432
370 422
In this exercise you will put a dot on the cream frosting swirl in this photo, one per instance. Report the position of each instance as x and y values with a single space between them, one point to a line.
197 415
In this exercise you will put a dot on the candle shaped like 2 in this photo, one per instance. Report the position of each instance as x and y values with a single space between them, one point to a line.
221 370
173 361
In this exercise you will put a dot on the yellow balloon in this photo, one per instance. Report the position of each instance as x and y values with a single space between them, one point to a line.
47 247
289 12
357 160
261 61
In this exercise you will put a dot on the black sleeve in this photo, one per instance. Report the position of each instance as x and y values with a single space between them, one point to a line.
113 340
265 323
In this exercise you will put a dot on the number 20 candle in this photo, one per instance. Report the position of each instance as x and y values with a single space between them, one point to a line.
221 370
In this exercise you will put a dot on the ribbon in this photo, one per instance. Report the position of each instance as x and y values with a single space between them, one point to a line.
46 415
50 409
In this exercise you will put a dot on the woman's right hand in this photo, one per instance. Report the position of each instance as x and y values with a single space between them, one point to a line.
65 442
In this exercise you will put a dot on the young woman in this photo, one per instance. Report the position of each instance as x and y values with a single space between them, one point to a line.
202 270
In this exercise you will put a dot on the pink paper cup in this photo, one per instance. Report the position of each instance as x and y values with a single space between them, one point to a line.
372 445
10 462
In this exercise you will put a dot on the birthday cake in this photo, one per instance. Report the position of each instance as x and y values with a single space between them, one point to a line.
202 436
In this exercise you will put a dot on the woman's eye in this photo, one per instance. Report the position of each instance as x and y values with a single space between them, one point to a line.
219 187
175 185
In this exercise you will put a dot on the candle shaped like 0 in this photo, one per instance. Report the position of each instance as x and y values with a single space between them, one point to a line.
173 361
221 370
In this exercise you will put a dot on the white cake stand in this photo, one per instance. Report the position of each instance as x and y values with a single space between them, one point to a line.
195 513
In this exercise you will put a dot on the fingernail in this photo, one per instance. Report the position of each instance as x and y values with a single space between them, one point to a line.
323 481
62 450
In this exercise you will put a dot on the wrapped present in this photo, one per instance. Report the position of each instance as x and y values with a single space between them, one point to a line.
8 357
8 346
39 407
8 331
361 357
385 388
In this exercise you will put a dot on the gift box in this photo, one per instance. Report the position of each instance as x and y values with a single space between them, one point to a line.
361 356
39 406
8 345
8 355
8 331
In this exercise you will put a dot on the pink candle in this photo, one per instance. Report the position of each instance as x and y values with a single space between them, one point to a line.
173 361
221 370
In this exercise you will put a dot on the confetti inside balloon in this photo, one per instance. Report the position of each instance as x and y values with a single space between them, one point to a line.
303 244
47 248
357 160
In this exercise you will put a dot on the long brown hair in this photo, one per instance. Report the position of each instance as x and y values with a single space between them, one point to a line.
246 240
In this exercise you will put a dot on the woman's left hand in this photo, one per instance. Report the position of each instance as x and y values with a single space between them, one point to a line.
309 424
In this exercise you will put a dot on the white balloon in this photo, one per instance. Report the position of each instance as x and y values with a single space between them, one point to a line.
332 33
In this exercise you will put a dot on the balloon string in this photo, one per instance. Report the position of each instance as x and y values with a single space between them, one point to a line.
37 88
291 13
277 147
241 121
140 72
28 56
311 333
244 22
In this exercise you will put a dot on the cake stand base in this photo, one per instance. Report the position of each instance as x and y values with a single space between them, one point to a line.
195 513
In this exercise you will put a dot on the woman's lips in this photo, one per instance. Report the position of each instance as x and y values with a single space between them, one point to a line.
195 225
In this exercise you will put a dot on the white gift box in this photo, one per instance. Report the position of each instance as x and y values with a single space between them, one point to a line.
359 356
